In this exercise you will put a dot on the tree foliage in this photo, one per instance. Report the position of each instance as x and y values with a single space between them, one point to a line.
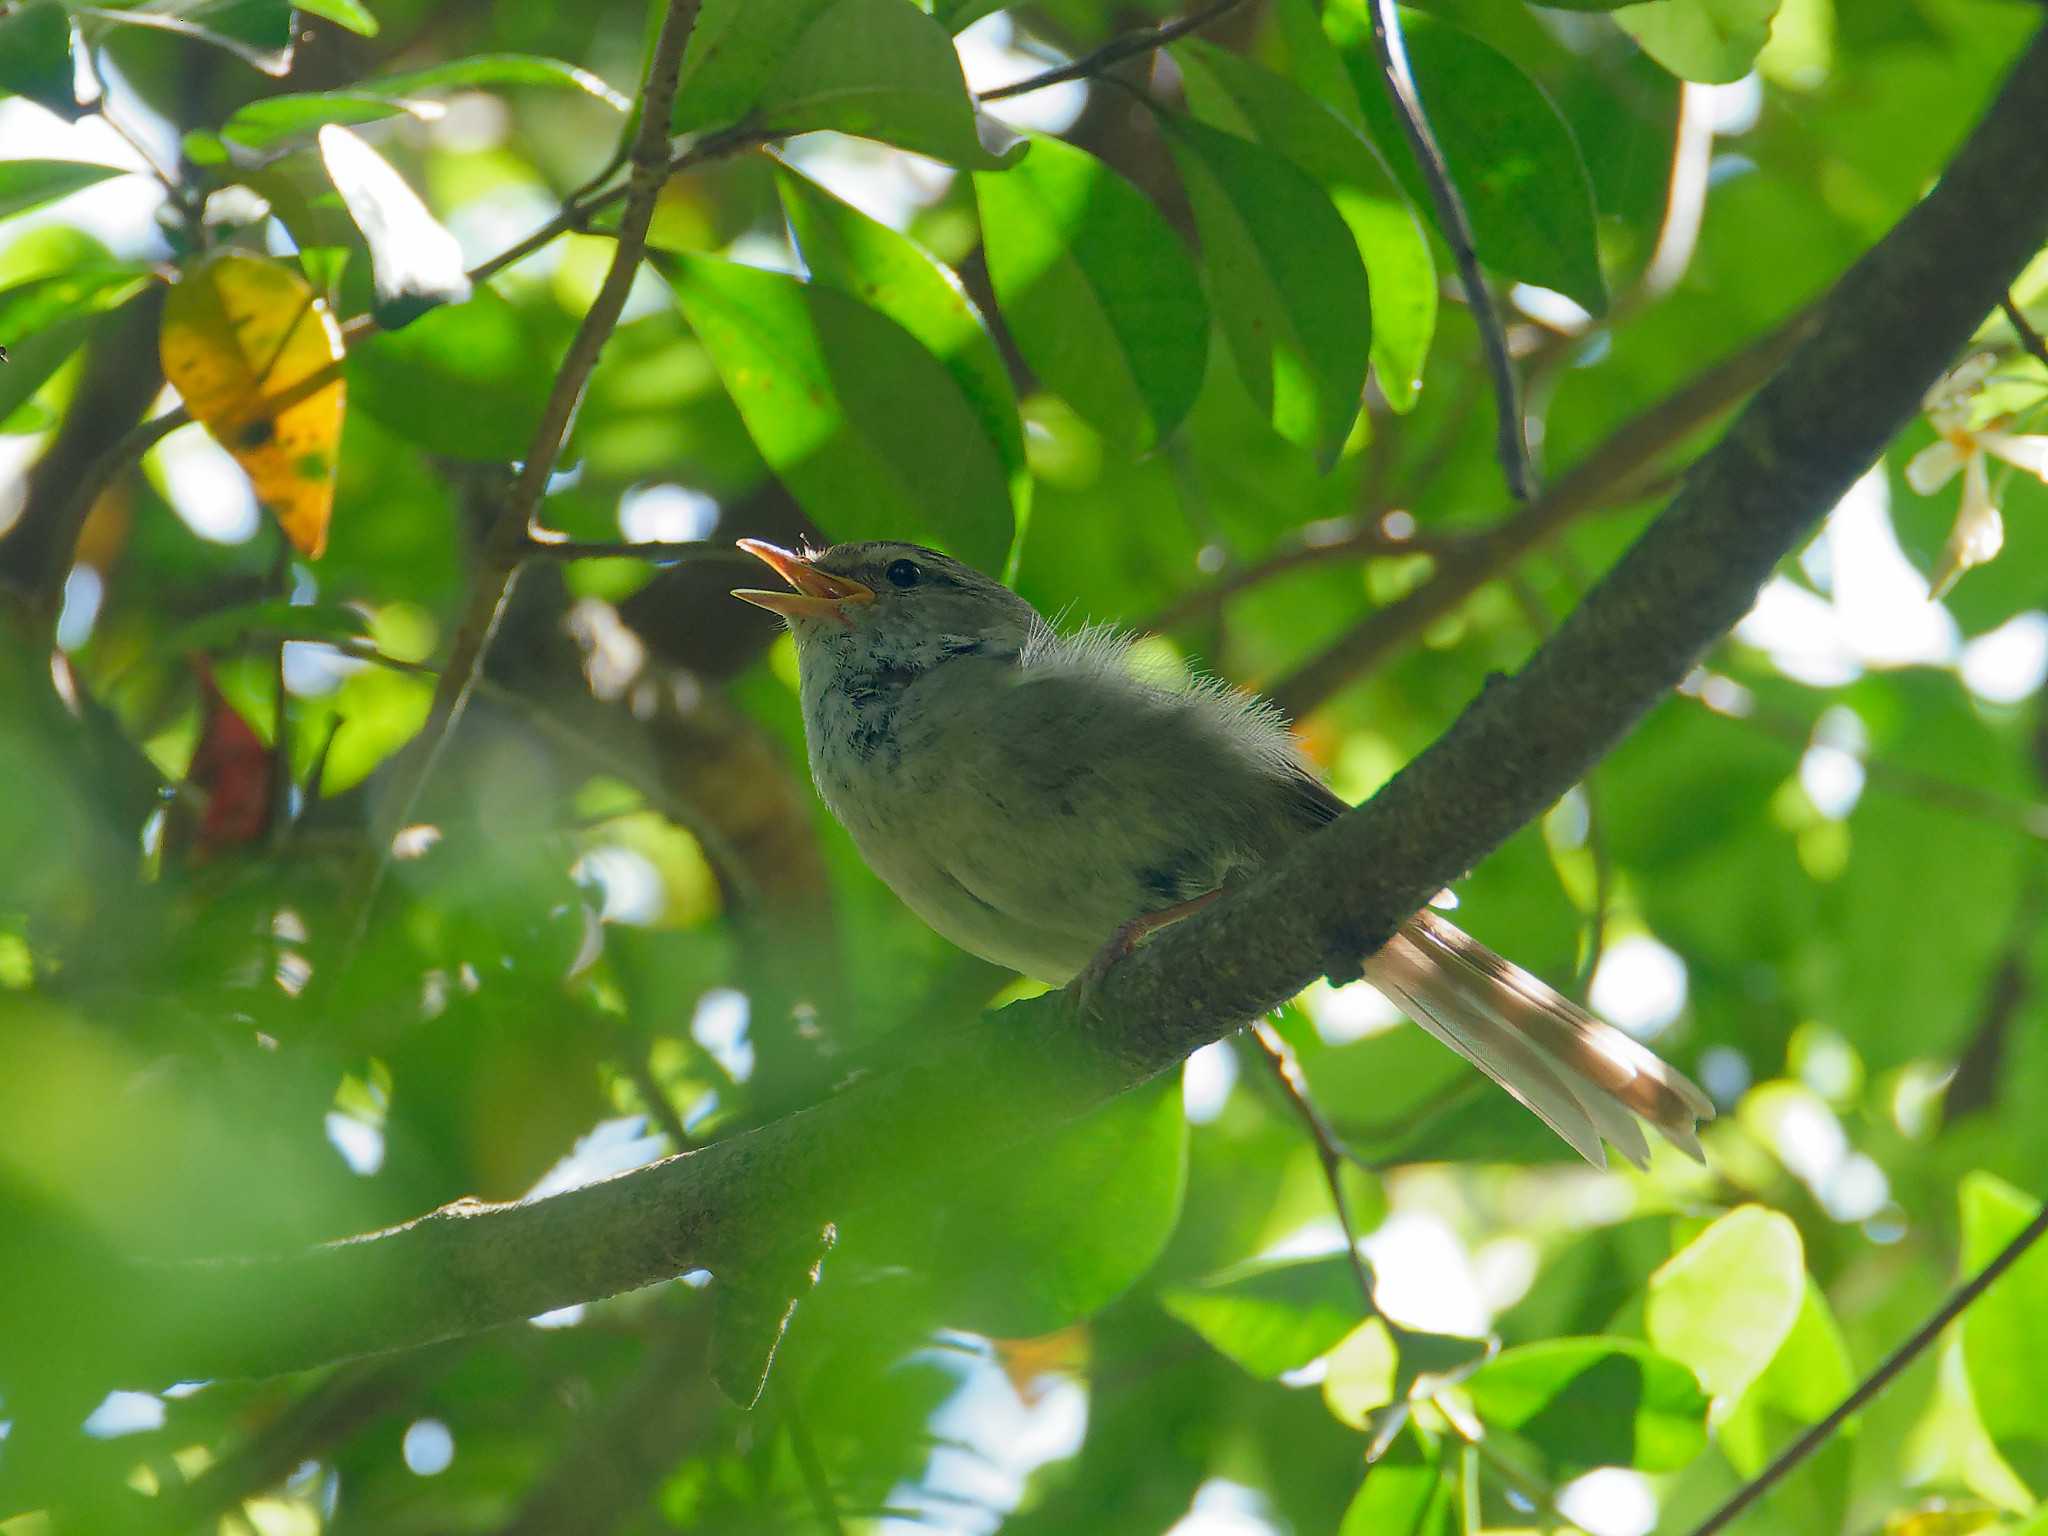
399 812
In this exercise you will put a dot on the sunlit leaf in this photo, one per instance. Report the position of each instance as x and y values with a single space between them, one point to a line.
26 184
241 333
860 421
1223 86
35 56
1594 1403
351 14
271 121
1405 1493
416 264
1805 1381
1511 155
1713 41
482 71
1273 1317
1097 291
47 319
2005 1349
845 249
880 69
1724 1303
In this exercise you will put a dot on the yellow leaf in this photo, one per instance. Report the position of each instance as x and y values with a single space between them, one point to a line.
246 342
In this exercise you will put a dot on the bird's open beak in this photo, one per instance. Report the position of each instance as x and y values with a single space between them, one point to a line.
818 595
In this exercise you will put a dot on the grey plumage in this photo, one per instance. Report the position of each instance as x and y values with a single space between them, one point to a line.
1027 794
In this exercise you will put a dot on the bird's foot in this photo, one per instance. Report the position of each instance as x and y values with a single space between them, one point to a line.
1127 938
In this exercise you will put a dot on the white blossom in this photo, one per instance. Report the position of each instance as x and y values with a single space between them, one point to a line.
1979 531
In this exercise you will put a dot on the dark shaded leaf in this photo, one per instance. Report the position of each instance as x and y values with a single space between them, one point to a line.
35 57
1596 1402
1402 274
1511 156
258 32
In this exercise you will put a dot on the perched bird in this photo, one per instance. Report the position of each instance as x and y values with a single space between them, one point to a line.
1033 799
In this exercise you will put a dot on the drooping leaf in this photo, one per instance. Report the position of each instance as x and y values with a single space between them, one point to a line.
1724 1303
241 333
878 69
1272 1318
2005 1348
865 426
352 14
1060 1232
1405 1493
1598 1402
1401 272
26 184
1097 291
46 319
258 32
416 264
1713 41
845 249
480 353
271 121
1511 155
1288 283
35 57
494 70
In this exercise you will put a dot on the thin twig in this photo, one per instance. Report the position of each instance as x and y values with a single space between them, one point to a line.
1457 231
1331 1152
542 546
1619 465
2030 339
1325 544
1115 51
1878 1379
505 545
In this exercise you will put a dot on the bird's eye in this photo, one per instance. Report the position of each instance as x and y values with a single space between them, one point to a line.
903 573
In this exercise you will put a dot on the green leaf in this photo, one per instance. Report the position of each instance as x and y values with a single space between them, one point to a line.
1066 1226
1223 86
271 619
416 264
35 57
1405 1493
273 120
1511 155
1287 281
1712 41
481 354
1378 1364
496 70
864 425
1807 1378
2005 1347
1597 1402
343 13
1097 291
1272 1318
1725 1302
957 15
258 32
26 184
845 249
46 319
879 69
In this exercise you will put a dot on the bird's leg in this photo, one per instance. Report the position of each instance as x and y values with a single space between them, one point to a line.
1127 937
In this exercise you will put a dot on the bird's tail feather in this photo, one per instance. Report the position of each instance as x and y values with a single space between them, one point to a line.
1585 1079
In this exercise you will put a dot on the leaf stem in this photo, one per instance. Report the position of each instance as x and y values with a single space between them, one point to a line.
1115 51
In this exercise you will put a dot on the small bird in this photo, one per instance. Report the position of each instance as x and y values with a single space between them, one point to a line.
1033 799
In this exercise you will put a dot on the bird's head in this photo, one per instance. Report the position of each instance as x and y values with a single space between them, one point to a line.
884 605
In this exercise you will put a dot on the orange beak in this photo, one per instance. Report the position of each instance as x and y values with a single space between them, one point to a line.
818 595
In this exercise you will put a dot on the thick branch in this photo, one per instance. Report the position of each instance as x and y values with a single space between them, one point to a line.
1894 323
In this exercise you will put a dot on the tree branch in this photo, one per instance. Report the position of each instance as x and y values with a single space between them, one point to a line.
1629 452
1115 51
1894 323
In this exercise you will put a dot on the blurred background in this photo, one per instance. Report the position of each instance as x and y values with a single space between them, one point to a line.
616 923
